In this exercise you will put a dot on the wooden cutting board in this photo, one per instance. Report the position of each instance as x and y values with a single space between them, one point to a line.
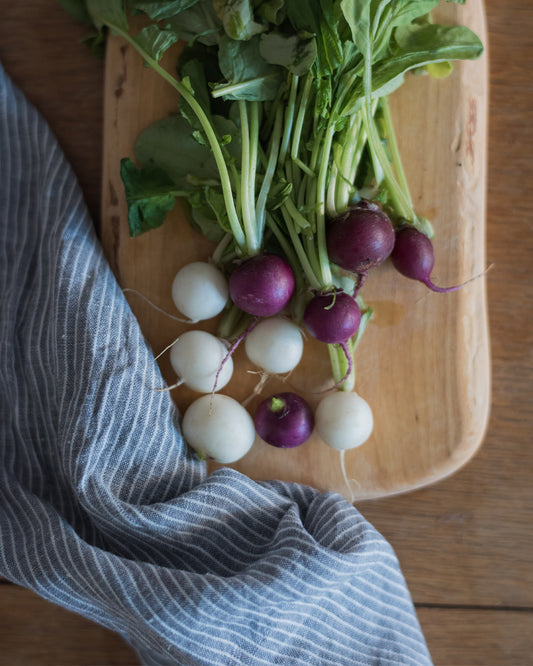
423 364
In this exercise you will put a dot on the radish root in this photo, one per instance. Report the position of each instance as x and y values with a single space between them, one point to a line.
156 307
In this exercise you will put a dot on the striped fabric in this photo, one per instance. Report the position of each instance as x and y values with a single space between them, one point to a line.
103 509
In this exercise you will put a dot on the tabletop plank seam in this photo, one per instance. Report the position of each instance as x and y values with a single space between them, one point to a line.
475 607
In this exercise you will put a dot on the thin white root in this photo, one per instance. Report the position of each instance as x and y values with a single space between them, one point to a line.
258 388
345 476
156 307
166 388
167 348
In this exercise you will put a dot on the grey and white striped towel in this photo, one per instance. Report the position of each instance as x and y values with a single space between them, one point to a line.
103 509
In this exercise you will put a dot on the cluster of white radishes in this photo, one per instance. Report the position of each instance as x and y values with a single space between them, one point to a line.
218 426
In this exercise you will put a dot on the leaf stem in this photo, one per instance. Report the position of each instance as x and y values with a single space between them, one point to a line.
289 119
298 125
232 88
394 150
313 279
260 207
398 198
247 184
325 270
214 143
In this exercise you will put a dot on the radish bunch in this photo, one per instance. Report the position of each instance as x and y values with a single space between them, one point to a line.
284 150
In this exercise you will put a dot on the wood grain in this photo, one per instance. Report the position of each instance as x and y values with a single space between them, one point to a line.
423 364
465 541
37 632
477 637
41 49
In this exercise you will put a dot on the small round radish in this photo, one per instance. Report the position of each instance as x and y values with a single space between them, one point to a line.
196 358
218 427
333 317
284 420
200 291
275 345
414 258
262 285
361 238
344 420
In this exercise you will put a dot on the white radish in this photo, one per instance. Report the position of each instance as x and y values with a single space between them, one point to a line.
344 420
218 427
275 345
200 291
196 358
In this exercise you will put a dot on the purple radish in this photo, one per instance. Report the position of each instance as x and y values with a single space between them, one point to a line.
284 420
262 285
414 258
334 318
361 238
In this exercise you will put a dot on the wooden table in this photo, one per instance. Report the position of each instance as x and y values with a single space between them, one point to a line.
466 544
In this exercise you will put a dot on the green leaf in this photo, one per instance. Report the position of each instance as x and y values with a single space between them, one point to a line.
439 70
230 137
279 193
158 10
238 18
203 221
150 195
323 102
458 41
193 75
198 23
403 13
272 11
169 145
395 15
417 46
249 75
215 199
319 18
109 12
296 53
78 10
357 15
155 40
96 42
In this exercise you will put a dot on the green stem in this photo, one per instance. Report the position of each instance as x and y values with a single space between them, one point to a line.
400 203
282 240
313 280
289 119
229 323
312 254
394 150
350 144
248 210
339 365
214 143
299 220
331 206
223 245
260 208
298 125
288 250
325 270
